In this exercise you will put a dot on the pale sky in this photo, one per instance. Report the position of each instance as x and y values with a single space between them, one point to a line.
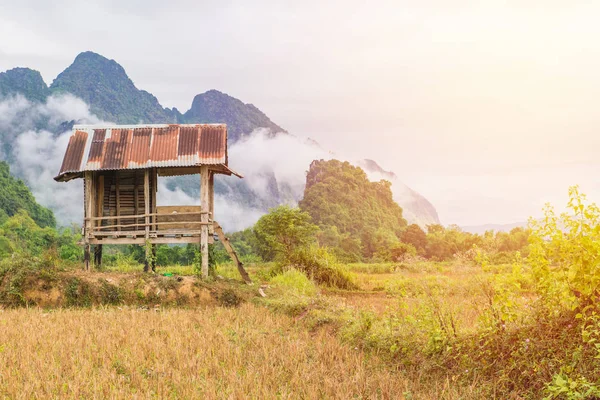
487 108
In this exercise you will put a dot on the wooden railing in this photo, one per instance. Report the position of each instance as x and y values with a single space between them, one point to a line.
191 223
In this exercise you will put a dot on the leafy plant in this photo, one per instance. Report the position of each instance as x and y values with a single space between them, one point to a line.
565 253
283 230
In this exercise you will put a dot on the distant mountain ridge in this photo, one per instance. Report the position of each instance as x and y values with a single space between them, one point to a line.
417 209
25 81
242 118
112 96
104 85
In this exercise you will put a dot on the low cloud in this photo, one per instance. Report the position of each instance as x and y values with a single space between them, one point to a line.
36 155
274 166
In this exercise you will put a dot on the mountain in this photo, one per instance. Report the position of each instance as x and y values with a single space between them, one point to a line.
104 85
24 81
112 96
417 209
241 119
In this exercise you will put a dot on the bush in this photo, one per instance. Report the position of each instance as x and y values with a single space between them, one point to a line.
229 298
322 267
296 282
17 271
565 254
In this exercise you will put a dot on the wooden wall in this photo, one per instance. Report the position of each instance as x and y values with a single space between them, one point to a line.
127 187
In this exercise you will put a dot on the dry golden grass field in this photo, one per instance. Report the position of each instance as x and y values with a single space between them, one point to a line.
215 353
417 331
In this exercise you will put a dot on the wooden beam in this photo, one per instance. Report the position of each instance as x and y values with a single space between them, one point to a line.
136 196
153 195
99 198
165 233
119 226
204 206
143 215
147 218
211 207
117 197
225 240
142 241
147 201
87 198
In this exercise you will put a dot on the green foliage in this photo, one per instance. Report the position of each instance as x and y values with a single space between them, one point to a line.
415 236
340 195
346 248
282 231
321 266
245 244
295 281
15 196
17 271
78 293
23 81
565 253
20 234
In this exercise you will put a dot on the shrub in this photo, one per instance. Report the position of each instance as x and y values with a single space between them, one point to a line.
19 269
322 267
229 298
296 282
565 253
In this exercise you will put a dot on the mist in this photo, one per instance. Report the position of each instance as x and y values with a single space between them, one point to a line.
274 166
35 155
274 169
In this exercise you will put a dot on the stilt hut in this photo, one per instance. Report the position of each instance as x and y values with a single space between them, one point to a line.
120 166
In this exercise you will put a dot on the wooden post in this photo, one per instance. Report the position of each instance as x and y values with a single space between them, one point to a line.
88 213
147 217
225 240
98 255
99 198
118 200
86 256
136 199
153 258
211 200
153 197
204 208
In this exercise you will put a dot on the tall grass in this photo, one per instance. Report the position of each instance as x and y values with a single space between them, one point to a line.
215 353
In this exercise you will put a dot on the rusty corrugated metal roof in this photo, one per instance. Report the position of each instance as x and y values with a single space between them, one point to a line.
94 148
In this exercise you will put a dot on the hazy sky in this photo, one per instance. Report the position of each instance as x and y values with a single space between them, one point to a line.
487 108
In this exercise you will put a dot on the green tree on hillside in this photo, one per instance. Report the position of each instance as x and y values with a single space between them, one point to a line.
15 196
340 195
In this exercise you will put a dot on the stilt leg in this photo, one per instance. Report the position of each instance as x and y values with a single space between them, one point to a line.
98 256
153 258
86 256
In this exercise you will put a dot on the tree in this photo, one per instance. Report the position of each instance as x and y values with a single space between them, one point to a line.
414 235
282 230
15 196
340 195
